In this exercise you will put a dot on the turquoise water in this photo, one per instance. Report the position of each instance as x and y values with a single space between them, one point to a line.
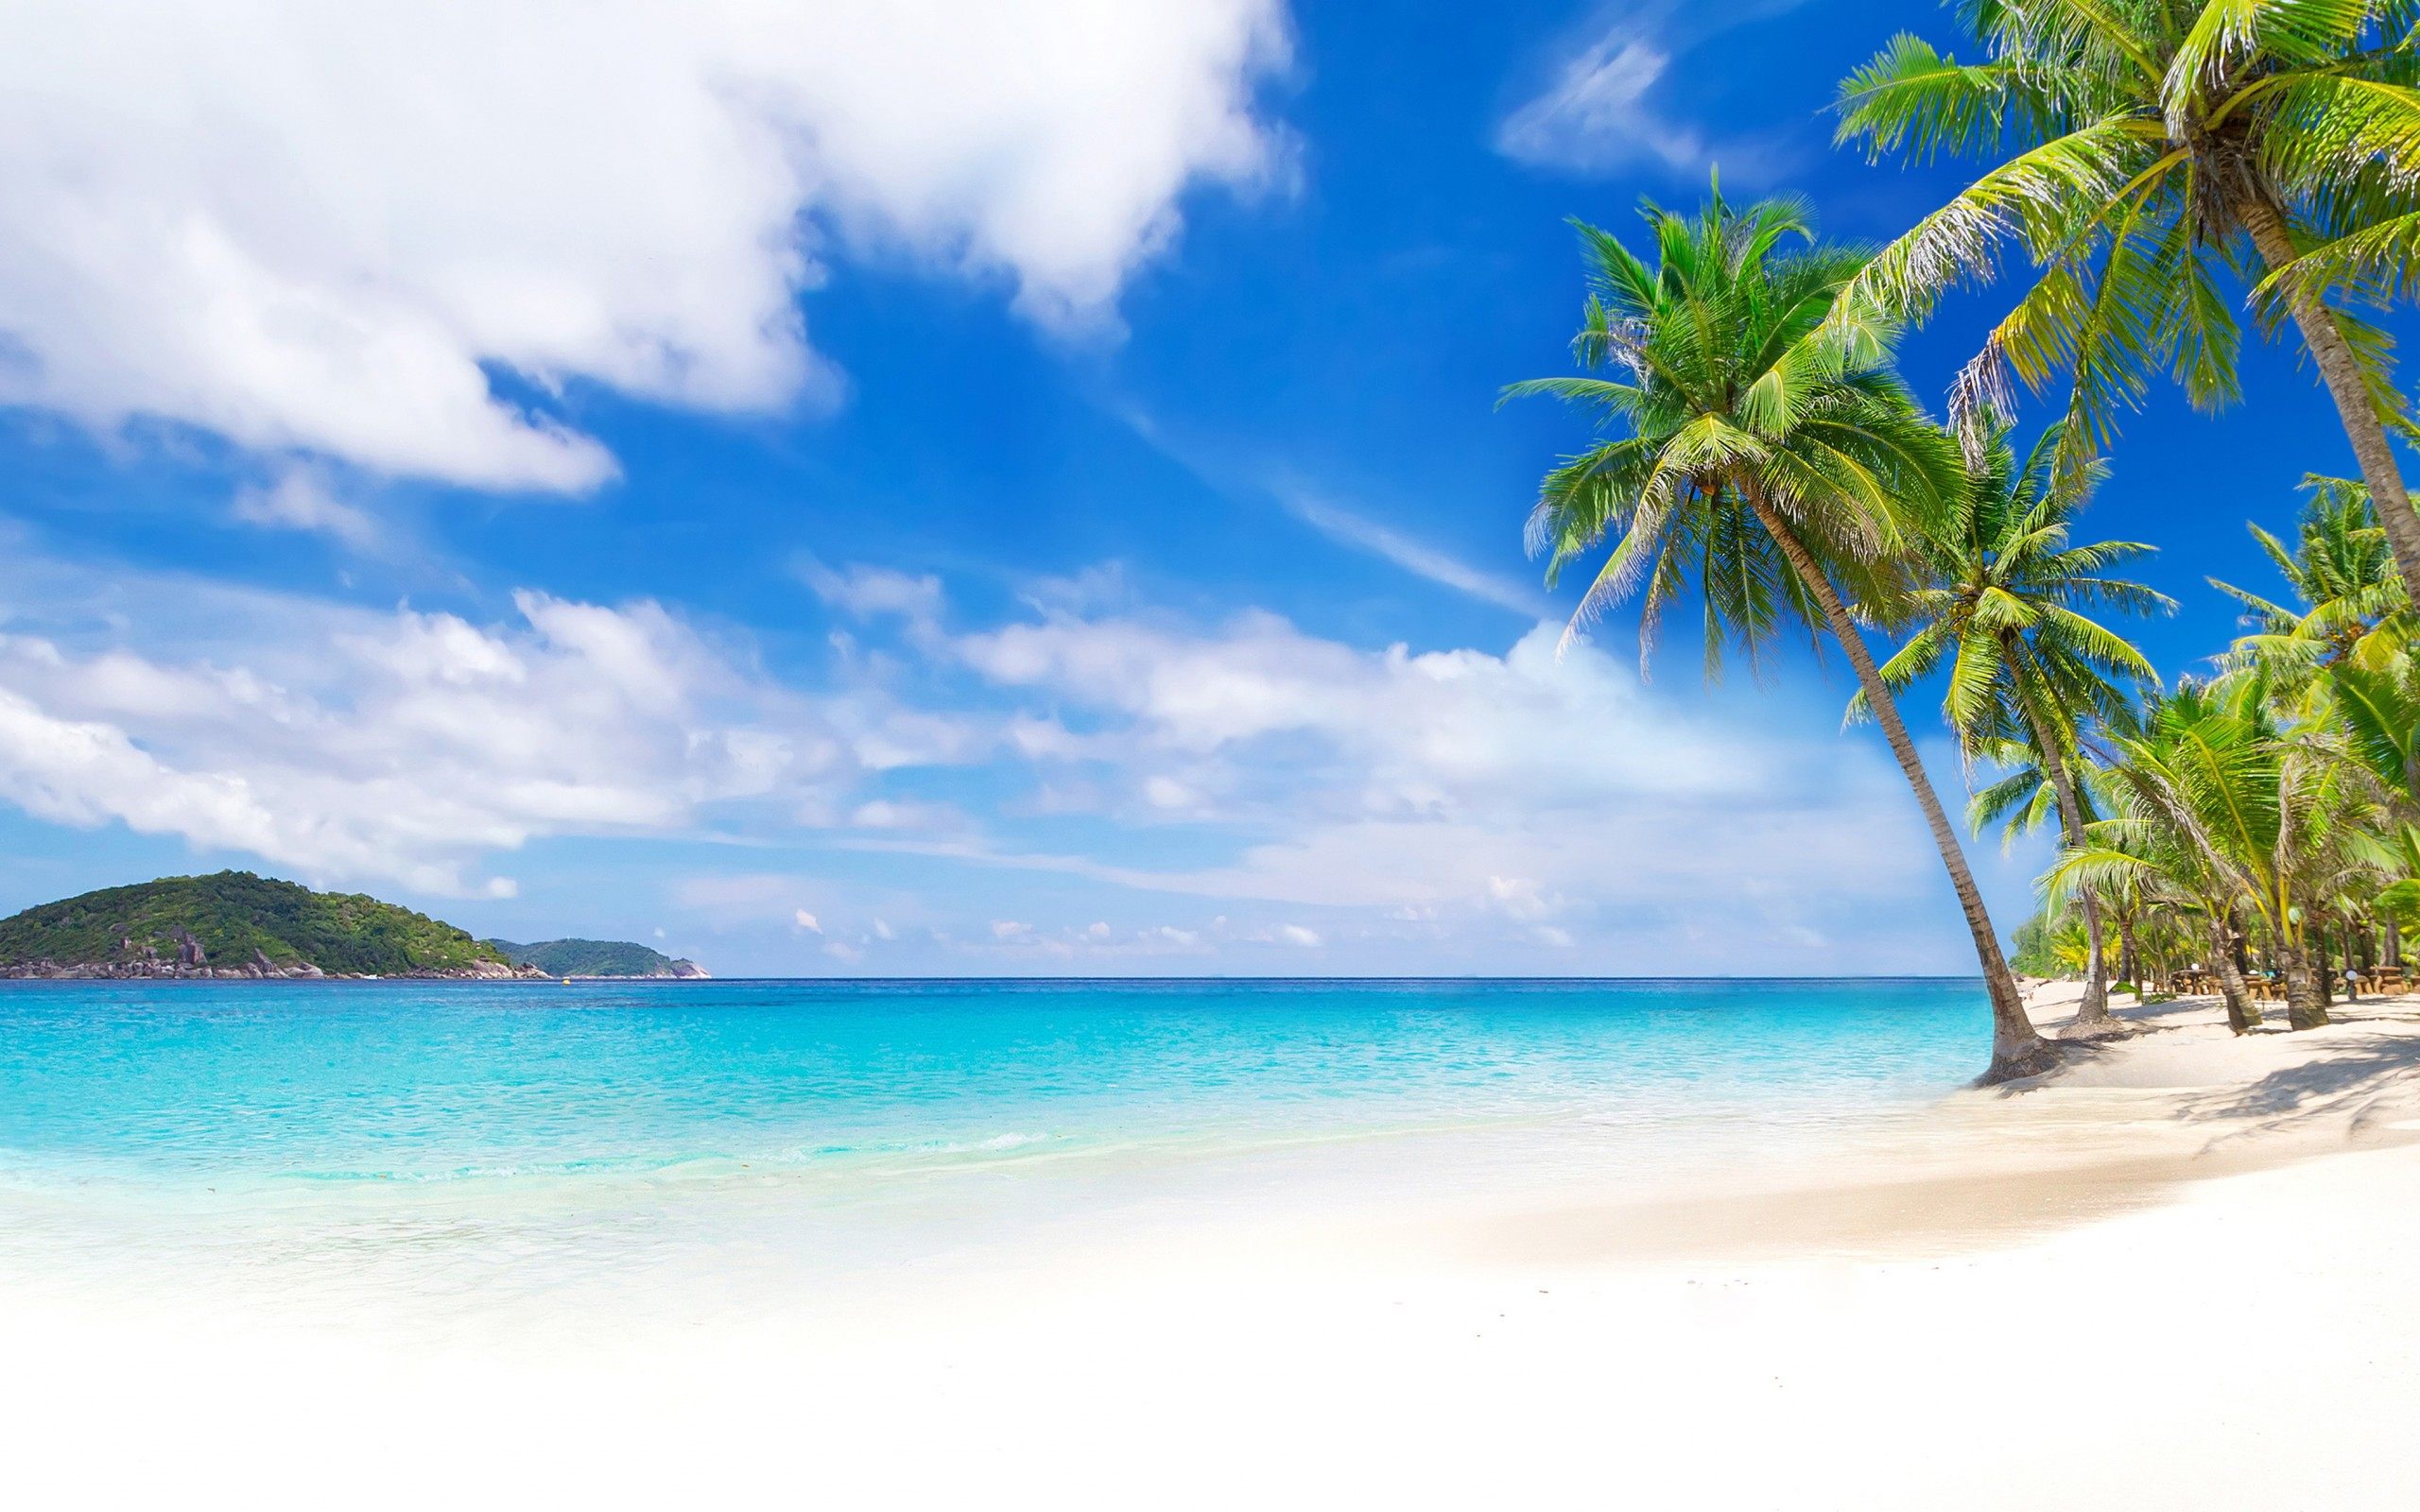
295 1087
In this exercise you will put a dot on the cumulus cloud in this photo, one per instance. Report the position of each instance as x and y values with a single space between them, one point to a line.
320 230
409 747
1394 809
1394 731
1544 798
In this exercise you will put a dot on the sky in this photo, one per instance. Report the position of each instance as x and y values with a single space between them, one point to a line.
934 488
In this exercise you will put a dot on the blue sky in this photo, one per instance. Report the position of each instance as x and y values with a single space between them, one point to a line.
1002 491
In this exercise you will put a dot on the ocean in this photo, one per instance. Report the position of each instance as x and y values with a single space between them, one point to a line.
418 1082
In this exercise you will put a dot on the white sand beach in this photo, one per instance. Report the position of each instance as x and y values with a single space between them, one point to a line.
2177 1275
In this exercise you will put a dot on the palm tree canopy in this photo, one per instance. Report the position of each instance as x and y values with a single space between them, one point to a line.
1704 365
2344 581
2225 799
2009 602
2140 142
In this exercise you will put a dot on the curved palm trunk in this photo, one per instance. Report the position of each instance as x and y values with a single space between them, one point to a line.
2016 1049
2093 1019
2244 1015
2354 406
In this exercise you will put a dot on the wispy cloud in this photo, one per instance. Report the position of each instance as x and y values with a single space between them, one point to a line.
1346 526
302 499
1603 111
1365 535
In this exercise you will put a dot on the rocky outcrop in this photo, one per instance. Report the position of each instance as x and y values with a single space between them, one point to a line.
258 970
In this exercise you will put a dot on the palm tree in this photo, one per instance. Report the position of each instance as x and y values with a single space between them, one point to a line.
2150 861
2157 150
2351 604
2003 607
1768 471
2215 794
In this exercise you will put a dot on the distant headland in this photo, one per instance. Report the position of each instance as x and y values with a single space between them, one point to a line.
597 957
233 924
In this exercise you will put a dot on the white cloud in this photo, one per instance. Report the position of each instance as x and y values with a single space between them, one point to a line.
870 593
1546 800
1610 107
1596 116
1422 560
1414 731
316 229
1297 935
406 747
1163 792
902 814
301 499
1432 807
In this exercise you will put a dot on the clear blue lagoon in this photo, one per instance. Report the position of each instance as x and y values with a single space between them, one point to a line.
289 1084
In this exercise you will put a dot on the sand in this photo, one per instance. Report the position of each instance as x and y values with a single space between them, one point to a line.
2179 1274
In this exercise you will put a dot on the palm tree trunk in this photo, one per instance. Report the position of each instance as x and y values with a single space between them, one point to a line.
2393 943
2342 372
2302 1009
2129 960
2092 1021
2244 1015
2017 1050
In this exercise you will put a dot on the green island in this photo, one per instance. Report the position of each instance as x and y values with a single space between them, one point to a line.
235 924
596 957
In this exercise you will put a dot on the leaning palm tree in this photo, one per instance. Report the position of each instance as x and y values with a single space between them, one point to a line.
1768 472
2007 607
2153 151
2143 854
2349 604
2219 788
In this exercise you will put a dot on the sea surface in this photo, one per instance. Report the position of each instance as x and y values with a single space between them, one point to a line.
394 1113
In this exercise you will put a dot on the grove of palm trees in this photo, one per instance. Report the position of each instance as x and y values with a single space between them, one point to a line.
2169 173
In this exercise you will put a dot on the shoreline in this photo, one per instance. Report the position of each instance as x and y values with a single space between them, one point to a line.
2170 1230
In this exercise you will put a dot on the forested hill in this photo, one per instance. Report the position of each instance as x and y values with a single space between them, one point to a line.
235 924
595 958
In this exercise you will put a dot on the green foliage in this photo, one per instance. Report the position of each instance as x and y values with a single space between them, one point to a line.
588 957
237 918
2007 608
2151 157
2401 902
2351 606
2036 952
2229 802
1742 436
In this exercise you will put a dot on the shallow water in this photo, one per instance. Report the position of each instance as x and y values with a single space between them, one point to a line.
352 1082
